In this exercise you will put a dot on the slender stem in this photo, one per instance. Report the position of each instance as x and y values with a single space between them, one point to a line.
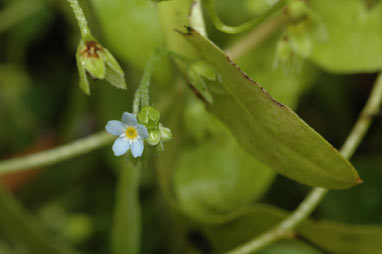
211 8
80 16
58 154
317 194
255 37
360 128
142 97
126 231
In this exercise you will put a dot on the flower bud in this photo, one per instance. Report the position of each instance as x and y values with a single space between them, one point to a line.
149 116
166 134
297 9
154 137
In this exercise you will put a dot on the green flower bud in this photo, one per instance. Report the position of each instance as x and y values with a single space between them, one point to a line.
96 60
166 134
297 9
154 137
149 116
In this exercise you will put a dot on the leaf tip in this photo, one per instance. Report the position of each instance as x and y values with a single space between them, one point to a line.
358 181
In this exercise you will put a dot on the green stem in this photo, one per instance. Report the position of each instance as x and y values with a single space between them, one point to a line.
126 233
142 97
211 8
58 154
80 16
359 130
317 194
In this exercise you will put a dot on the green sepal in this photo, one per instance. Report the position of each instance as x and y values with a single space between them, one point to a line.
83 81
114 73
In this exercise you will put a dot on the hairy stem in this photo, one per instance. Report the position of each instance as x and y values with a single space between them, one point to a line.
80 16
58 154
317 194
211 8
141 97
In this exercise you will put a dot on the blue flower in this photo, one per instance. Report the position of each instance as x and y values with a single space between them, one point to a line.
130 135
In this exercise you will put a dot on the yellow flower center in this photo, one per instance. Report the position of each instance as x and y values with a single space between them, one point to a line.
131 132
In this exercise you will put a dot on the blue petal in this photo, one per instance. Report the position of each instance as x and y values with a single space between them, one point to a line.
137 148
121 146
129 119
142 131
115 127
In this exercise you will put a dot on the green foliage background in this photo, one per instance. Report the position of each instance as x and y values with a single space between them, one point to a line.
203 193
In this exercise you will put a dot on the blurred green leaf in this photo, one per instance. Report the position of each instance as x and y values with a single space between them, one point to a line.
270 131
216 176
329 236
21 227
130 27
174 15
126 232
354 36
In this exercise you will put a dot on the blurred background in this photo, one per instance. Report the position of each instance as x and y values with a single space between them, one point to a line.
41 106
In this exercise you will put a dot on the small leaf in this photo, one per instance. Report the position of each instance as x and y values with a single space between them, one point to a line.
271 131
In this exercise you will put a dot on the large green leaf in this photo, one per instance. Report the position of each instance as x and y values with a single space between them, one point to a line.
269 130
285 86
354 42
329 236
